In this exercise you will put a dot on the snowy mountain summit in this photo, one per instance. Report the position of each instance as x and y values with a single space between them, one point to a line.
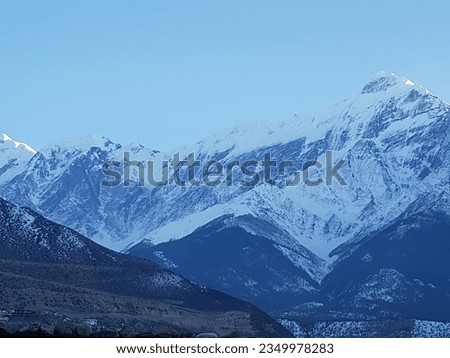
13 156
384 81
8 141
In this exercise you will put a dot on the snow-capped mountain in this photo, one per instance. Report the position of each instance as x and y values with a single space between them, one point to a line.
393 135
63 182
13 157
394 139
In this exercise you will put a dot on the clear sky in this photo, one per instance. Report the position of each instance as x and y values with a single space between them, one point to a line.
165 73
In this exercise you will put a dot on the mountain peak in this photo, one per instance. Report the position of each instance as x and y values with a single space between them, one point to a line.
385 80
4 138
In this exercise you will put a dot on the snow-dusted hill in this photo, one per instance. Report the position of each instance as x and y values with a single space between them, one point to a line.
51 269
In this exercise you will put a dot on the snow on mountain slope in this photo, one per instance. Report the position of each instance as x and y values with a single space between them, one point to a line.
63 181
394 137
5 139
352 115
13 157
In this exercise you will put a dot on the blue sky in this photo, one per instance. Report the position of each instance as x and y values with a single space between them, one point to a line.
166 73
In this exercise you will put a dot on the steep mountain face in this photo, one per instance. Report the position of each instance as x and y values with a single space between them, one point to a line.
247 265
63 182
401 270
395 282
46 267
393 137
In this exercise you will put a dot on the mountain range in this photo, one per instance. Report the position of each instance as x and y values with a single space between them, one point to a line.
370 247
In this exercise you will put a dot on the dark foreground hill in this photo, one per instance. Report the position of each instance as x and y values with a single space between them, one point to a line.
51 273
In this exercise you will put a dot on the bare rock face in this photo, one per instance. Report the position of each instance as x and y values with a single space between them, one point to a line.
83 330
47 329
31 329
71 329
126 332
65 329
